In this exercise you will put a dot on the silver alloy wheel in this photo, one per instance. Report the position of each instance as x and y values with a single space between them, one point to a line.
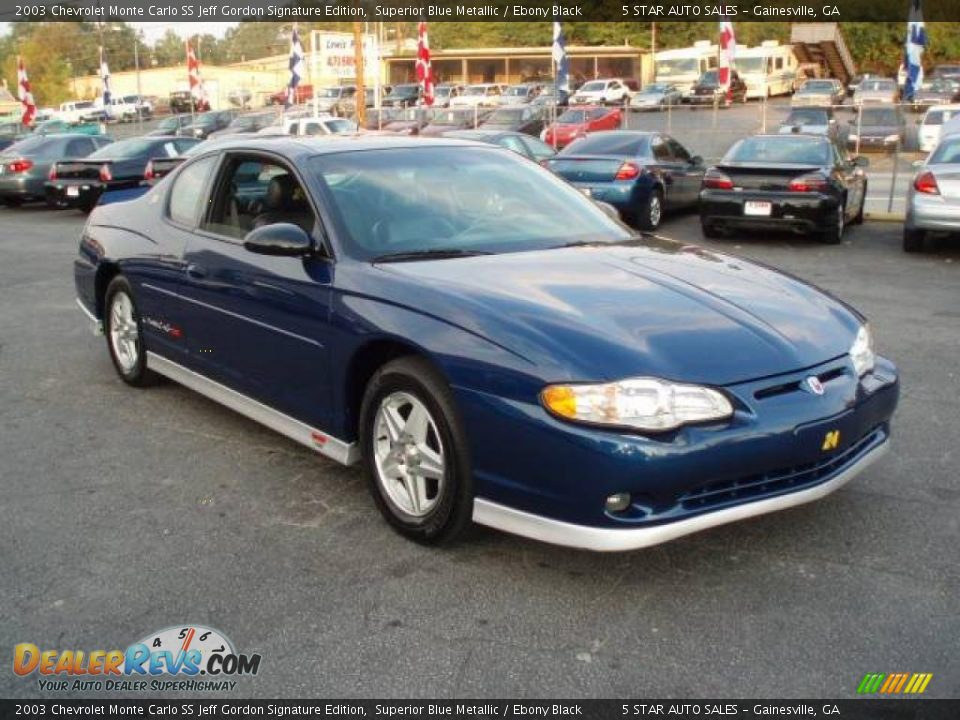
408 454
124 333
655 210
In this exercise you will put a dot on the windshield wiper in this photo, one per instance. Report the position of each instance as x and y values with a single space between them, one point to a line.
432 254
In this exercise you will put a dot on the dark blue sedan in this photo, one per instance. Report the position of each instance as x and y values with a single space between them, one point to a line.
642 174
485 340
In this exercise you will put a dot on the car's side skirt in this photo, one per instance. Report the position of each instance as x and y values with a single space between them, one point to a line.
538 527
317 440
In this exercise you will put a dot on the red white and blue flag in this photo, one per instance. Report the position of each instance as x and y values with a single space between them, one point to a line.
24 94
728 52
297 70
197 94
424 68
913 51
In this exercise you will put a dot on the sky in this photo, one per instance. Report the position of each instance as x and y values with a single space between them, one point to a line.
152 31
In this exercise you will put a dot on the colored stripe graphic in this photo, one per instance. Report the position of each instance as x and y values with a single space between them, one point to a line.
894 683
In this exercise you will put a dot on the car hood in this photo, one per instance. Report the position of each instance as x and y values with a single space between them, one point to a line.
658 308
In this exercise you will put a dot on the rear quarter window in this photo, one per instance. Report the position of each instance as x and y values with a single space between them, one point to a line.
188 195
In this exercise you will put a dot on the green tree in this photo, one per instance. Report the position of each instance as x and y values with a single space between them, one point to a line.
48 72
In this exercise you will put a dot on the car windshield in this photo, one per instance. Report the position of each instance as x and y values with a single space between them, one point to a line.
948 152
817 87
333 92
508 116
443 91
655 89
611 143
476 90
37 147
403 91
517 91
807 117
751 64
123 149
170 123
83 105
780 150
450 117
879 116
878 85
593 87
679 66
475 200
341 125
709 78
576 117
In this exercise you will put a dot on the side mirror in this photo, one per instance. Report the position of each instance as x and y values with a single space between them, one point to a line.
609 210
861 162
282 239
696 160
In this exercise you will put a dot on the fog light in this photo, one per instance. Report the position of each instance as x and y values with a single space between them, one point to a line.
618 502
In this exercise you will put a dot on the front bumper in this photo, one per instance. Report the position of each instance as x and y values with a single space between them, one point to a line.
557 532
775 452
873 143
798 212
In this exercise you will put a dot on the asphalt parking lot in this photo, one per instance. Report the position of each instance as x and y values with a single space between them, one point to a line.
127 511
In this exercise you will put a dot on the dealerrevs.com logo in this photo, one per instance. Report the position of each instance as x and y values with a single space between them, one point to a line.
187 658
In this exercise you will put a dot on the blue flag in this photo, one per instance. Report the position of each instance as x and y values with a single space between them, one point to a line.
561 61
916 42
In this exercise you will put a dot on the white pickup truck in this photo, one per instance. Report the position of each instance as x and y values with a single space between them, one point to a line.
80 111
126 108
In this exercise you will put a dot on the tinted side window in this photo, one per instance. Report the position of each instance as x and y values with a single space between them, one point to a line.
677 150
187 198
659 149
512 142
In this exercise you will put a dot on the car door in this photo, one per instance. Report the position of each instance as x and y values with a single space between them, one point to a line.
258 323
670 171
851 176
688 173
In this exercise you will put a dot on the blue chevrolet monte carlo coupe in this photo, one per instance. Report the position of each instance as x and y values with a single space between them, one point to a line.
487 341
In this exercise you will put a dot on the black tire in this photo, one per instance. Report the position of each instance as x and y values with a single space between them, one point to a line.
833 234
914 240
858 218
710 230
452 512
138 375
86 207
650 212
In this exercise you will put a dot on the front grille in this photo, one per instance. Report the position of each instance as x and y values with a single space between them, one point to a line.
796 385
778 481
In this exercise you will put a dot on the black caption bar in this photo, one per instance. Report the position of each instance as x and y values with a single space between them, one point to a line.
893 709
472 10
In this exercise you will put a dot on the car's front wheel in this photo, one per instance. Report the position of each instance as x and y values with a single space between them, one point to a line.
415 452
124 333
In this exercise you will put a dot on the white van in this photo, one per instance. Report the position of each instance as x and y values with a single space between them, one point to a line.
684 66
931 126
769 69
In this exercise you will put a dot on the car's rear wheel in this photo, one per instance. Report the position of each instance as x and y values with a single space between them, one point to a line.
914 240
415 452
124 333
650 212
834 232
710 231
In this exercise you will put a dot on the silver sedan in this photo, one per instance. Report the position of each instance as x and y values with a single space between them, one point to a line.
933 201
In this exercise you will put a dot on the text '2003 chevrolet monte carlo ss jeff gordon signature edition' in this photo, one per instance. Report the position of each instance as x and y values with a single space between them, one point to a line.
486 340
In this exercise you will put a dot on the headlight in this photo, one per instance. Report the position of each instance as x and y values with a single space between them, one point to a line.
642 403
861 353
891 138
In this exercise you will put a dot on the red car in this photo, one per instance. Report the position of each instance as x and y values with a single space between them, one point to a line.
303 94
577 122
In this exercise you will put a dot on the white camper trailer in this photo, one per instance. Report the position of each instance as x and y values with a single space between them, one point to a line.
683 66
769 69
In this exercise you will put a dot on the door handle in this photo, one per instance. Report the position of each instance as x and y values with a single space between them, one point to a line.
195 271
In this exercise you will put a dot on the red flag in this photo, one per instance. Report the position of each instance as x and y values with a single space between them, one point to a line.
728 49
197 93
24 94
424 68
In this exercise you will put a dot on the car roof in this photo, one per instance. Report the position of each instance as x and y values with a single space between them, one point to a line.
295 147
